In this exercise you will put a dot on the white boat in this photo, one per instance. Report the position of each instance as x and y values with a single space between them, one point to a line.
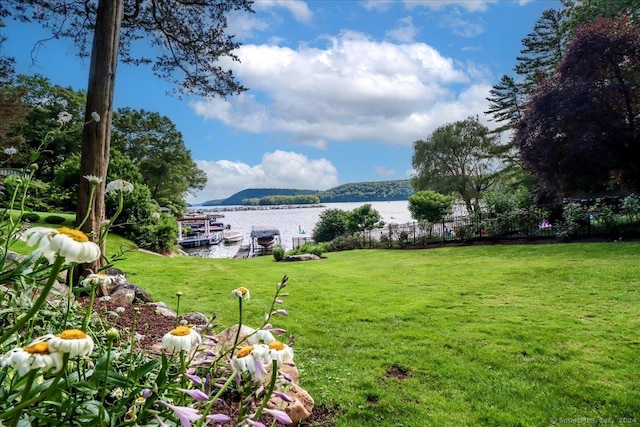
232 236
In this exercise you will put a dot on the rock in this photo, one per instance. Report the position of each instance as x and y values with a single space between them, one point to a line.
226 337
120 281
298 410
163 309
196 318
302 257
123 297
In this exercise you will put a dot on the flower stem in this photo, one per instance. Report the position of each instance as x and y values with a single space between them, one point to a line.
103 233
25 392
235 341
104 386
55 269
16 410
207 409
86 215
89 312
272 385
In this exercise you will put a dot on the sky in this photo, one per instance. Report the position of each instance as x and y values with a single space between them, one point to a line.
339 90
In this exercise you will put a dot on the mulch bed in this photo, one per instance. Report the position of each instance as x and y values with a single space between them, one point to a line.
153 326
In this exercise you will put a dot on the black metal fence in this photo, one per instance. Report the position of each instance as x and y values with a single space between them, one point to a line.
525 224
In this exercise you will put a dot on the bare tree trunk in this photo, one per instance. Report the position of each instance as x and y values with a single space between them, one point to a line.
96 136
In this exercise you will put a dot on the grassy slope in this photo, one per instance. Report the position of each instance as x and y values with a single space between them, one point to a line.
489 335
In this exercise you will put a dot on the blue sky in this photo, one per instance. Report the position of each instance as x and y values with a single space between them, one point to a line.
339 90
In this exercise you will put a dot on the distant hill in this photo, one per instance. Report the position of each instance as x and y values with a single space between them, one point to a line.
374 191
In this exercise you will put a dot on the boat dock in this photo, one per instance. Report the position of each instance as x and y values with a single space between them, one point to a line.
243 252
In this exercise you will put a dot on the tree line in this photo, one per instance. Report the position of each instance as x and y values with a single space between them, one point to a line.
373 191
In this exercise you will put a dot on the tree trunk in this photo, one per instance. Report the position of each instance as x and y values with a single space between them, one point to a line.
96 135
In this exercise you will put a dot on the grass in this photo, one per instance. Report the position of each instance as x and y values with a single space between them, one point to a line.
486 335
483 335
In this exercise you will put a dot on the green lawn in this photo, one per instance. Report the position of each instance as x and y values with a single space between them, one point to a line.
486 335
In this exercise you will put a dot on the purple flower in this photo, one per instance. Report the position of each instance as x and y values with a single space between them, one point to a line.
281 311
283 396
184 413
281 416
146 393
218 418
196 394
255 423
194 378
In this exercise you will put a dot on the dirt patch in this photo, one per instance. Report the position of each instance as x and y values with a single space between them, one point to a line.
397 372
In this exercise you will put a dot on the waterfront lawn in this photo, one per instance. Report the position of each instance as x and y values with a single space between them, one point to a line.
480 335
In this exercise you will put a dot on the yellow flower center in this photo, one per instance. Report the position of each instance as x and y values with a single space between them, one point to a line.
181 331
76 235
244 351
38 348
276 345
72 334
243 290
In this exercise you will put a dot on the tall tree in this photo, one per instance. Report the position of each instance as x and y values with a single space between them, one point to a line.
583 11
154 144
505 103
457 158
543 48
188 38
581 128
13 110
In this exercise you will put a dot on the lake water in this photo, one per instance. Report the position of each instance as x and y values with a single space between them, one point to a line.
291 222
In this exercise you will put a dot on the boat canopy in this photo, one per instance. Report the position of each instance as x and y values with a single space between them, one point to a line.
264 231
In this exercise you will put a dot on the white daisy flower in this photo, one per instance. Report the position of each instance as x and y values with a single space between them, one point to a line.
252 359
241 292
117 393
181 338
64 117
34 356
119 185
72 341
261 337
71 244
280 352
93 179
96 279
95 116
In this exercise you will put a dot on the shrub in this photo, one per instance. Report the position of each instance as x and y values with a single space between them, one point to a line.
30 216
574 217
54 219
332 224
311 248
278 253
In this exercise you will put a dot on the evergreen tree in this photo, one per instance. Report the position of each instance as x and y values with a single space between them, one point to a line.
543 48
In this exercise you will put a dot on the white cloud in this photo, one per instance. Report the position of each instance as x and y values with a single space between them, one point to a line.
298 8
384 171
245 25
377 5
404 32
460 26
469 5
279 169
354 89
